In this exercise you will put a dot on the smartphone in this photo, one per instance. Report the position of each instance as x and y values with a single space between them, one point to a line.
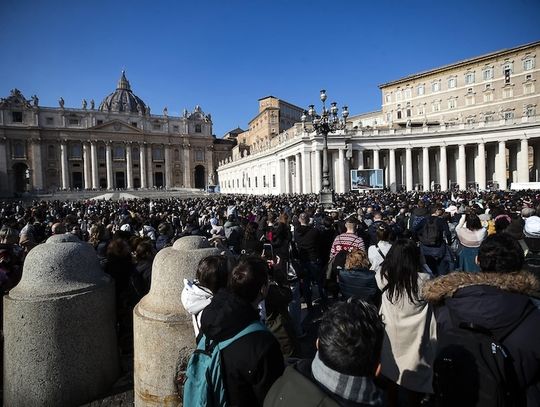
268 252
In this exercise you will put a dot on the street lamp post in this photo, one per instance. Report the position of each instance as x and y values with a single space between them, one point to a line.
327 122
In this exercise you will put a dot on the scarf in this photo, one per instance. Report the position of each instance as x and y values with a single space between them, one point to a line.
359 389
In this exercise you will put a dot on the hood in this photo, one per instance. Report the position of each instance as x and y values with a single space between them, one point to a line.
226 315
495 301
195 298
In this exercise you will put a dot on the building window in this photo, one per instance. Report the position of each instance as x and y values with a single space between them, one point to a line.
198 128
256 183
74 121
157 154
16 117
508 115
487 74
452 104
119 153
387 98
408 93
273 180
398 114
134 124
435 86
420 90
469 78
530 111
176 128
488 97
488 86
199 155
528 88
399 95
507 73
75 151
435 106
508 67
18 150
51 153
528 64
49 121
264 181
98 122
156 126
452 83
507 93
469 100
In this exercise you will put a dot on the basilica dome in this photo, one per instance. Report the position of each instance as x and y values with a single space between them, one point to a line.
123 99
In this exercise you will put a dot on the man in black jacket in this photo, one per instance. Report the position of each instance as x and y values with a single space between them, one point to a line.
252 363
349 346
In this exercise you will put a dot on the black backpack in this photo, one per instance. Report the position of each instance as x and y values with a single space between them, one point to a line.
472 368
430 234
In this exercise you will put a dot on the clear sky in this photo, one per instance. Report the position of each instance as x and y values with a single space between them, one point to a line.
225 55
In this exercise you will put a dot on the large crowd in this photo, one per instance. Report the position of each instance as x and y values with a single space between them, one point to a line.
407 287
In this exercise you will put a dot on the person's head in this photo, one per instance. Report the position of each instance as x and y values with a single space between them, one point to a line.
501 223
500 253
144 250
377 215
8 235
58 228
472 222
350 338
213 273
249 279
303 219
383 232
357 259
284 218
400 268
351 224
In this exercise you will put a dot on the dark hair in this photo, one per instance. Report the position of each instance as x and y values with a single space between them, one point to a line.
472 222
248 277
383 232
213 273
350 338
500 253
400 269
501 224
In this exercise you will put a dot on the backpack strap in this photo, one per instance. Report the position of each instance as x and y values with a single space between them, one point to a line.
380 251
253 327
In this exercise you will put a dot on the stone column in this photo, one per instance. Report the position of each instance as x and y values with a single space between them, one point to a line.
142 165
162 328
281 177
481 166
59 328
306 172
87 165
523 161
4 187
297 175
376 164
462 168
501 165
109 164
408 169
425 169
341 171
360 160
392 170
168 169
37 165
443 169
317 171
287 176
64 165
94 161
150 167
187 167
129 166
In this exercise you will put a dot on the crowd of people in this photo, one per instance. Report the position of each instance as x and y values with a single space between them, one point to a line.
397 279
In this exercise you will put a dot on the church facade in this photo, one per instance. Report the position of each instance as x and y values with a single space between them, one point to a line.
118 144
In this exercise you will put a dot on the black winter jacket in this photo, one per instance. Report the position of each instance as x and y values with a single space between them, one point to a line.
499 302
307 243
252 363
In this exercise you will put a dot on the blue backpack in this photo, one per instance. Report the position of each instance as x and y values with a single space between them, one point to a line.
204 386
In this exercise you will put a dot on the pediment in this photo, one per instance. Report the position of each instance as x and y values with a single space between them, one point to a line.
116 126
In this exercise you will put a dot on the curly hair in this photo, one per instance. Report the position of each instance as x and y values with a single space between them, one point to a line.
500 253
357 259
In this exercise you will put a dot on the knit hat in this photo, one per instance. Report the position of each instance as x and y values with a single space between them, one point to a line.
532 227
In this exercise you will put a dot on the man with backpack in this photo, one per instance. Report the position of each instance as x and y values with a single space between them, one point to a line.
235 350
488 331
431 232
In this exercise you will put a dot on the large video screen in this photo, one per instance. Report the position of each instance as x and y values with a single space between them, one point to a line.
367 179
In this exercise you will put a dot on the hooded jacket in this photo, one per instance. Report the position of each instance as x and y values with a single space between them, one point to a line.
195 298
306 238
252 363
499 302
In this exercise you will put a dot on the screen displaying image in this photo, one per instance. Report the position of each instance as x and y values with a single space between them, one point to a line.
367 179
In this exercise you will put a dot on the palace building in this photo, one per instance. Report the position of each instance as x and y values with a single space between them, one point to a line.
118 144
473 123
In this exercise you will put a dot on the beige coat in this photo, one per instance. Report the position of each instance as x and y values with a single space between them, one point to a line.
410 338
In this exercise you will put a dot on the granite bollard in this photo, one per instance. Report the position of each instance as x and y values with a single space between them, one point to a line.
162 329
59 328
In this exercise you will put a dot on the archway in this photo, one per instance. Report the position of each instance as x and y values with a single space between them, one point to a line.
199 177
21 177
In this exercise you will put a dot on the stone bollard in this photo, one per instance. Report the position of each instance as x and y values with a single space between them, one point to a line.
59 328
162 329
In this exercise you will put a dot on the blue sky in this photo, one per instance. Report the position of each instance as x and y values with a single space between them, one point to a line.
225 55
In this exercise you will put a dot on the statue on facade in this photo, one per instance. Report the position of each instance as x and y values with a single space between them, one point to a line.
165 111
35 100
92 104
408 125
84 104
148 110
185 113
61 102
